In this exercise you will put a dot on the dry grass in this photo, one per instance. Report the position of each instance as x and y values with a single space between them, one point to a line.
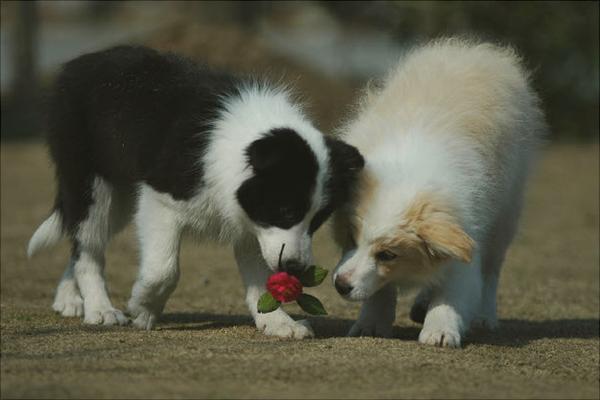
548 345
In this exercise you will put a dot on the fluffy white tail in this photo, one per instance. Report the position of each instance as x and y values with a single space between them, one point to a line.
48 234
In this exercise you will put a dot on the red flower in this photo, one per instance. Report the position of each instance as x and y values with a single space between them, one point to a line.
284 287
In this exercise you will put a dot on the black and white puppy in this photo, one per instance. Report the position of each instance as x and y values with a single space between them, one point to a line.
136 132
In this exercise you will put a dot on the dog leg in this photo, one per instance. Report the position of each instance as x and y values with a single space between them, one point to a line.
452 306
421 305
159 234
68 301
494 251
377 314
487 318
91 239
254 273
89 271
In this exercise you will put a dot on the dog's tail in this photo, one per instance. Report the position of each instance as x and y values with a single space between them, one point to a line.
47 234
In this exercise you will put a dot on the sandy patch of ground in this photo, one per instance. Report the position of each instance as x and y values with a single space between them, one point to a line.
206 346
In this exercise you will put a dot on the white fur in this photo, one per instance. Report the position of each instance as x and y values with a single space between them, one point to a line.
68 301
159 232
47 235
215 212
93 236
297 243
82 289
246 119
459 120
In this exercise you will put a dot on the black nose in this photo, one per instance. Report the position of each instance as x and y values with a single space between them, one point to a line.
293 266
342 287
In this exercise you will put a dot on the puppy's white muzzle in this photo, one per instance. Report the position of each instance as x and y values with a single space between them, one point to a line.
355 277
292 245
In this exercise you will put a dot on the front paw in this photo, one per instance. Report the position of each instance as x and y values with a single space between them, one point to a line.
106 316
278 323
371 328
143 317
442 327
440 338
68 301
146 320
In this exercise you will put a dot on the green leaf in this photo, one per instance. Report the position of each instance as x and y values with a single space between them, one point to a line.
311 304
313 276
267 303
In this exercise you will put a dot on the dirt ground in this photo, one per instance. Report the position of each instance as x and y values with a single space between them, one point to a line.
206 345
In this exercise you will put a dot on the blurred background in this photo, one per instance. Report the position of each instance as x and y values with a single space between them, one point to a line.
328 49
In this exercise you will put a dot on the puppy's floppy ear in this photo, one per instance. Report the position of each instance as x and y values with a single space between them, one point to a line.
344 156
435 224
263 154
445 239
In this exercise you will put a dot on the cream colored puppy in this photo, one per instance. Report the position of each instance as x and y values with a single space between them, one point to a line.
448 140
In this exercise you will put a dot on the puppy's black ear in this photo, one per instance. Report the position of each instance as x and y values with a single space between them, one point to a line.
344 157
263 154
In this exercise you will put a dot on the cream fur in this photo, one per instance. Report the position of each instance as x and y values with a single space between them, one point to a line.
456 121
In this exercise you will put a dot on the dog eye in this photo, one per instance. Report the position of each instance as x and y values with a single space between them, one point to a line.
385 255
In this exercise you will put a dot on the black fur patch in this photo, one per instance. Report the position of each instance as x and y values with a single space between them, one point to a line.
131 114
345 162
280 192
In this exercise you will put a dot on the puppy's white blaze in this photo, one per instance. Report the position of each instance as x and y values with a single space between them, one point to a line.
247 118
359 271
296 240
345 257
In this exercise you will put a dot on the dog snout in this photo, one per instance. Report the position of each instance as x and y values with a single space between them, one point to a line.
342 286
293 266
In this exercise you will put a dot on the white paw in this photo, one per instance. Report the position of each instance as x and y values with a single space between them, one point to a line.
145 320
371 328
143 317
68 301
440 338
278 323
109 316
442 327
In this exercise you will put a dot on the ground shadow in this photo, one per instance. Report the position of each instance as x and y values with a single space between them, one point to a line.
512 332
324 327
518 332
202 321
338 327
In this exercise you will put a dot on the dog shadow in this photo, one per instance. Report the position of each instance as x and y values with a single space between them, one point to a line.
511 333
323 327
201 321
519 333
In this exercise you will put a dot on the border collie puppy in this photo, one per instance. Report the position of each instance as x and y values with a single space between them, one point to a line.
136 132
448 140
